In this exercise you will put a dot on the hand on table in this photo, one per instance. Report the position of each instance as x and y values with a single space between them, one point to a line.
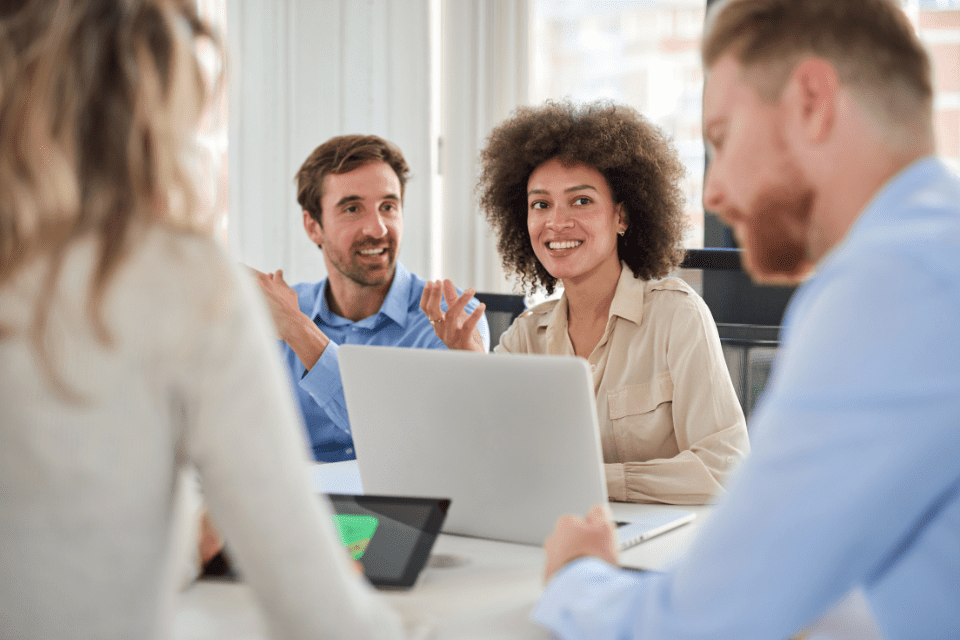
455 327
575 538
210 542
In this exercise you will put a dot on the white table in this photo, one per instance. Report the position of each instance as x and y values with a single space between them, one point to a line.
474 588
471 588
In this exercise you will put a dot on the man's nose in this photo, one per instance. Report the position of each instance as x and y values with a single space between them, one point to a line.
374 226
713 196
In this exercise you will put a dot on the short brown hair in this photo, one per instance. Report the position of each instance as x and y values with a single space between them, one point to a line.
871 43
635 158
343 154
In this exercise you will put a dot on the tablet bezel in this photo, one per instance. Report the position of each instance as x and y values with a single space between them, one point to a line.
427 536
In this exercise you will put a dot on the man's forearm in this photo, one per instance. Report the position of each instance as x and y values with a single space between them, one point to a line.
306 340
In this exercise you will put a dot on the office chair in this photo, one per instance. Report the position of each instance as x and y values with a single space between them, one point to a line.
748 317
502 310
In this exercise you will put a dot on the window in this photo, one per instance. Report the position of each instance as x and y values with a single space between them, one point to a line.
938 25
645 53
642 53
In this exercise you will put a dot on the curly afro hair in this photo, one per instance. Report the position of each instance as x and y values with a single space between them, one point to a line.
638 162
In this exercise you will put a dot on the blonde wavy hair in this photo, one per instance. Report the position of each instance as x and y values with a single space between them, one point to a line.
99 104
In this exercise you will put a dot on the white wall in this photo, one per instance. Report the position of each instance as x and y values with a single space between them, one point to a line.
302 71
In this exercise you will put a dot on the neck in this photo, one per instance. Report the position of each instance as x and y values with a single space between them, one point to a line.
840 204
589 297
354 301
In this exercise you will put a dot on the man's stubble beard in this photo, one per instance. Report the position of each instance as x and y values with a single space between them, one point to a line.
777 233
775 236
358 274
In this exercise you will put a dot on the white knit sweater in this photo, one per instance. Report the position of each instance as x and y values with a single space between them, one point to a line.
92 515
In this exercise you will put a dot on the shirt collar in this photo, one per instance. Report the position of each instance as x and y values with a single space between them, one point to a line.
627 303
628 298
394 306
887 203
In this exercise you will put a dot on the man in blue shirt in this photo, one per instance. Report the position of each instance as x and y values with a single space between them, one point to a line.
351 192
819 116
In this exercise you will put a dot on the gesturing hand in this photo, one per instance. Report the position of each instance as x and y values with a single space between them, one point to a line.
281 299
455 327
575 538
293 326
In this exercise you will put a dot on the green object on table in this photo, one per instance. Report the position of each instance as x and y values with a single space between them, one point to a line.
355 532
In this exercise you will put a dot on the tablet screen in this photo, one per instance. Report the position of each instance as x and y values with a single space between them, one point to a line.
390 536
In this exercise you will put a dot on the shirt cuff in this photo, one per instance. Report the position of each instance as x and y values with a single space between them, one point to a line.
588 599
616 481
323 381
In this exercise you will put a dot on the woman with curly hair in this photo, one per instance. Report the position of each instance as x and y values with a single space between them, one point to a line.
589 196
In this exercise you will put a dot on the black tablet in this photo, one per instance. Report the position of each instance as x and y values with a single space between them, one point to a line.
390 536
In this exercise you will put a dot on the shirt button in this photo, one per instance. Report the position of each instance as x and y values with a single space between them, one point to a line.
593 367
349 450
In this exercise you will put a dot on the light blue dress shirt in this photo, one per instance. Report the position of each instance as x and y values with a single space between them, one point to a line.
399 323
855 471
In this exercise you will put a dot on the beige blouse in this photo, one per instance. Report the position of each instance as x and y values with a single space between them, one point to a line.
670 422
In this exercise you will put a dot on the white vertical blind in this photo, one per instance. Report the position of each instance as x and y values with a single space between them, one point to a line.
485 76
302 71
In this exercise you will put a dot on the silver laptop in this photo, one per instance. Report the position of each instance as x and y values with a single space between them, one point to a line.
512 440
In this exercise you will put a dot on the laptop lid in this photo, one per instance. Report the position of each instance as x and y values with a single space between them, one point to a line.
513 440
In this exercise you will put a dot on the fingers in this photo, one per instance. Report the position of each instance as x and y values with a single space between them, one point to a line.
430 301
258 274
456 304
599 514
471 324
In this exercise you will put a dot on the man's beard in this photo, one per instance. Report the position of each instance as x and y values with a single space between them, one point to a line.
775 234
363 275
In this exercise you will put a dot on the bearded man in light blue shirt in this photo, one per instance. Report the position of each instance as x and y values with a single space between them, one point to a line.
819 117
351 191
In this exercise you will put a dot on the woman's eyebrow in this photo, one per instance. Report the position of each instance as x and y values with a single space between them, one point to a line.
579 187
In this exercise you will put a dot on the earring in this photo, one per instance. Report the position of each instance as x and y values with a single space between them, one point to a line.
621 232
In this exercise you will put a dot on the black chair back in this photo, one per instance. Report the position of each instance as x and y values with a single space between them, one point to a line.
502 310
748 317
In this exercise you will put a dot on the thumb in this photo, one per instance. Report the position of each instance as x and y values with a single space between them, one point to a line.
599 514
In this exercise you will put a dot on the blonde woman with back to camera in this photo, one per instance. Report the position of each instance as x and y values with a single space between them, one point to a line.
131 350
